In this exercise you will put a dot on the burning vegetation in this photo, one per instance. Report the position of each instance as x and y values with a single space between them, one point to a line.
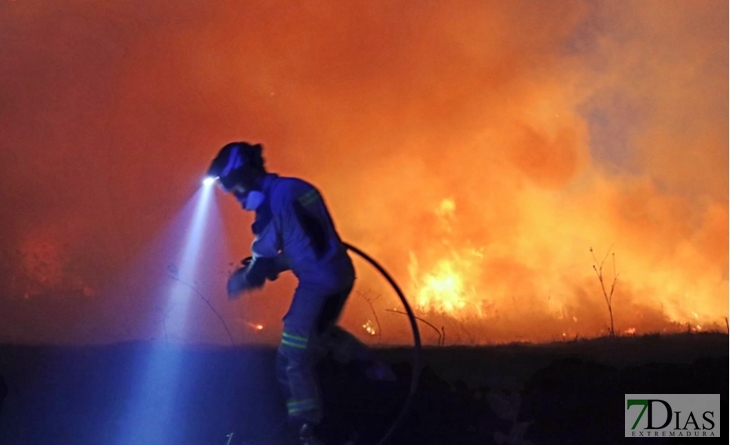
471 293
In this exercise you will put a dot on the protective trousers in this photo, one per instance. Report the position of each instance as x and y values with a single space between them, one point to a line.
309 334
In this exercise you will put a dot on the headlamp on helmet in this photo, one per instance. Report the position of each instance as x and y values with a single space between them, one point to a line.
233 161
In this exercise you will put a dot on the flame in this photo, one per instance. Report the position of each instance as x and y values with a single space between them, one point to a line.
441 289
445 213
482 288
44 266
444 286
255 326
369 328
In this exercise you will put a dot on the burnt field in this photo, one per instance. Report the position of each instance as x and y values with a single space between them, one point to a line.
558 393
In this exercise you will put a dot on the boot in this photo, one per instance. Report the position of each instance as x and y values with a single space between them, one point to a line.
306 435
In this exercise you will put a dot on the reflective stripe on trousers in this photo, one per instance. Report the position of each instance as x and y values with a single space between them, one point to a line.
309 333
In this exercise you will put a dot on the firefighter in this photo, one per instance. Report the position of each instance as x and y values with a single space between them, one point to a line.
294 231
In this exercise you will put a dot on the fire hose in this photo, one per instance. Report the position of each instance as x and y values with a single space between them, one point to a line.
416 341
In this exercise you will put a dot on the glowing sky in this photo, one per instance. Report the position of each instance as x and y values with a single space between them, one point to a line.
505 138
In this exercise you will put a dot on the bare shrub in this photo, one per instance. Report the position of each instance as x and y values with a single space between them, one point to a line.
608 296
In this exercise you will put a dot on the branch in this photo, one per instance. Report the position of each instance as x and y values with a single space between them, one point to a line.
164 321
419 319
372 309
599 273
225 326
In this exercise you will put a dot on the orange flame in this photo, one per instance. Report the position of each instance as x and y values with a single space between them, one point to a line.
369 328
255 327
444 282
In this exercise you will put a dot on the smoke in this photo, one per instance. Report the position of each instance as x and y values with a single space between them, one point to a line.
550 129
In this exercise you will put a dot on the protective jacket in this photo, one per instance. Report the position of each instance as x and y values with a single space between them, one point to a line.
293 230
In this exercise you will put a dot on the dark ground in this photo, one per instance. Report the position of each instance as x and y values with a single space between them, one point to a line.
559 393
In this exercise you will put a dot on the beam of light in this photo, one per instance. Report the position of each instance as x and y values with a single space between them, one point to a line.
209 180
181 291
154 409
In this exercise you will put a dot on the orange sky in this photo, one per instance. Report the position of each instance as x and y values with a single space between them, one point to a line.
481 146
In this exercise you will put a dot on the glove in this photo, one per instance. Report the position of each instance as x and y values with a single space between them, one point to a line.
266 268
273 269
238 282
278 265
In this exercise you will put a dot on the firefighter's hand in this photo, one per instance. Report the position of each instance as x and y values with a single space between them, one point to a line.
237 283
